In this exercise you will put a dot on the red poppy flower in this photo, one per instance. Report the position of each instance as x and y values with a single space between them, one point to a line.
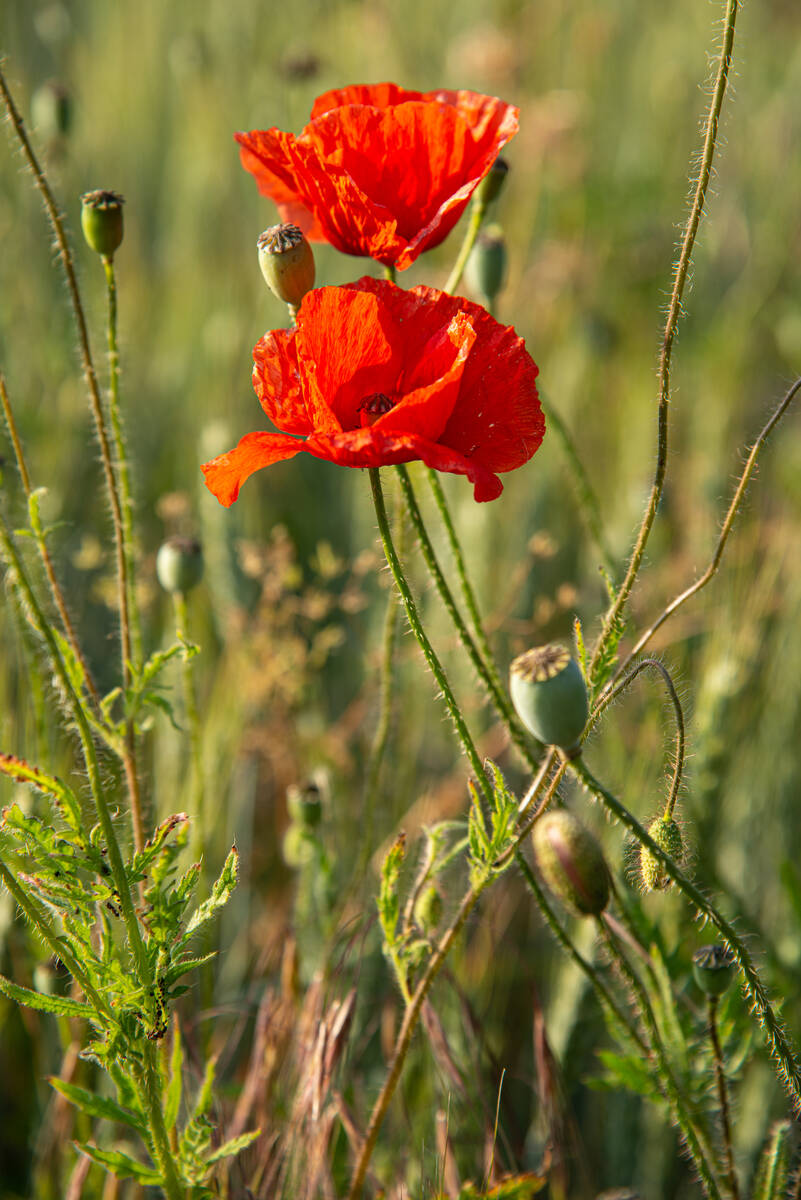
381 171
373 375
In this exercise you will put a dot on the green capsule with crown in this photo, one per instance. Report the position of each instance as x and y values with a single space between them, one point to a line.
287 262
550 696
101 221
714 968
179 564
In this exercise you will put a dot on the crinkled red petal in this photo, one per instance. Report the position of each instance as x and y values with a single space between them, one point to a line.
276 381
225 474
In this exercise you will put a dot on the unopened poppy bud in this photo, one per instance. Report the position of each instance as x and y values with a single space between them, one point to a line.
714 967
492 183
667 835
304 804
179 564
550 696
297 847
51 110
428 908
486 267
287 262
101 221
572 863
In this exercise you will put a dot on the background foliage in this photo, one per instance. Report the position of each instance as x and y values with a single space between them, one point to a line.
290 615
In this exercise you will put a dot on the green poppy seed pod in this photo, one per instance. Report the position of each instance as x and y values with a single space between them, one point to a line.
667 835
101 221
572 863
428 909
179 564
492 183
486 267
51 110
550 696
714 968
304 804
286 262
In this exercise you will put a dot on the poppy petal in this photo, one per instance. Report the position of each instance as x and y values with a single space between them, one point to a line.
225 474
276 381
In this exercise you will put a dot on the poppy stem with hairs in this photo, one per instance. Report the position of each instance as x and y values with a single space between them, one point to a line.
416 626
477 215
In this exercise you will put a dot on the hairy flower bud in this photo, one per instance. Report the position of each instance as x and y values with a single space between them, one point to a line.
304 804
179 564
428 908
486 267
286 262
667 835
492 183
714 967
572 863
550 696
101 221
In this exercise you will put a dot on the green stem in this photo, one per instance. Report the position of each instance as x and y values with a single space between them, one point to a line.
602 992
416 626
485 672
695 1140
778 1042
381 734
134 635
723 1096
389 272
151 1088
671 326
196 785
477 214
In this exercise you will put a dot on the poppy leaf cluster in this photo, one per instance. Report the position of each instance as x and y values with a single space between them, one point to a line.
373 375
379 170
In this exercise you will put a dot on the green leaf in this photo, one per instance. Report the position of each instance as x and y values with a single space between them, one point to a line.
177 969
626 1071
173 1099
581 648
63 796
233 1146
388 899
121 1165
773 1168
97 1106
62 1006
220 894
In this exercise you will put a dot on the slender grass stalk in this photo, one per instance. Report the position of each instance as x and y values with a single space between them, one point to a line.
694 1137
422 638
779 1044
608 696
477 214
723 1094
197 782
671 326
96 405
41 545
484 668
725 531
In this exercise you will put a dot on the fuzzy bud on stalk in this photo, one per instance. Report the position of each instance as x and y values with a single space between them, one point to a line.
572 863
713 968
667 835
550 696
179 564
428 908
101 221
287 262
486 267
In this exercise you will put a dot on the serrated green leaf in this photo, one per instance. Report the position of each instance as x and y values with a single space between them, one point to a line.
233 1146
220 894
581 648
174 1088
100 1107
64 797
62 1006
388 899
121 1165
177 969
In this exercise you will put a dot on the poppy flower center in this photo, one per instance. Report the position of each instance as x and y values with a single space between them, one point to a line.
374 406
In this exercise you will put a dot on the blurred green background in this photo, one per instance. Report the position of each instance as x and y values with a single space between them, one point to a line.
611 95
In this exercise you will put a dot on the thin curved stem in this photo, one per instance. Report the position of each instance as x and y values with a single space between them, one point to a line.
486 672
478 212
378 747
671 326
608 696
694 1137
779 1044
41 544
723 1094
416 626
725 531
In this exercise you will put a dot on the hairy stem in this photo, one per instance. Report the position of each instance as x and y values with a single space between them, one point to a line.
723 1094
416 626
152 1091
781 1048
196 784
671 326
